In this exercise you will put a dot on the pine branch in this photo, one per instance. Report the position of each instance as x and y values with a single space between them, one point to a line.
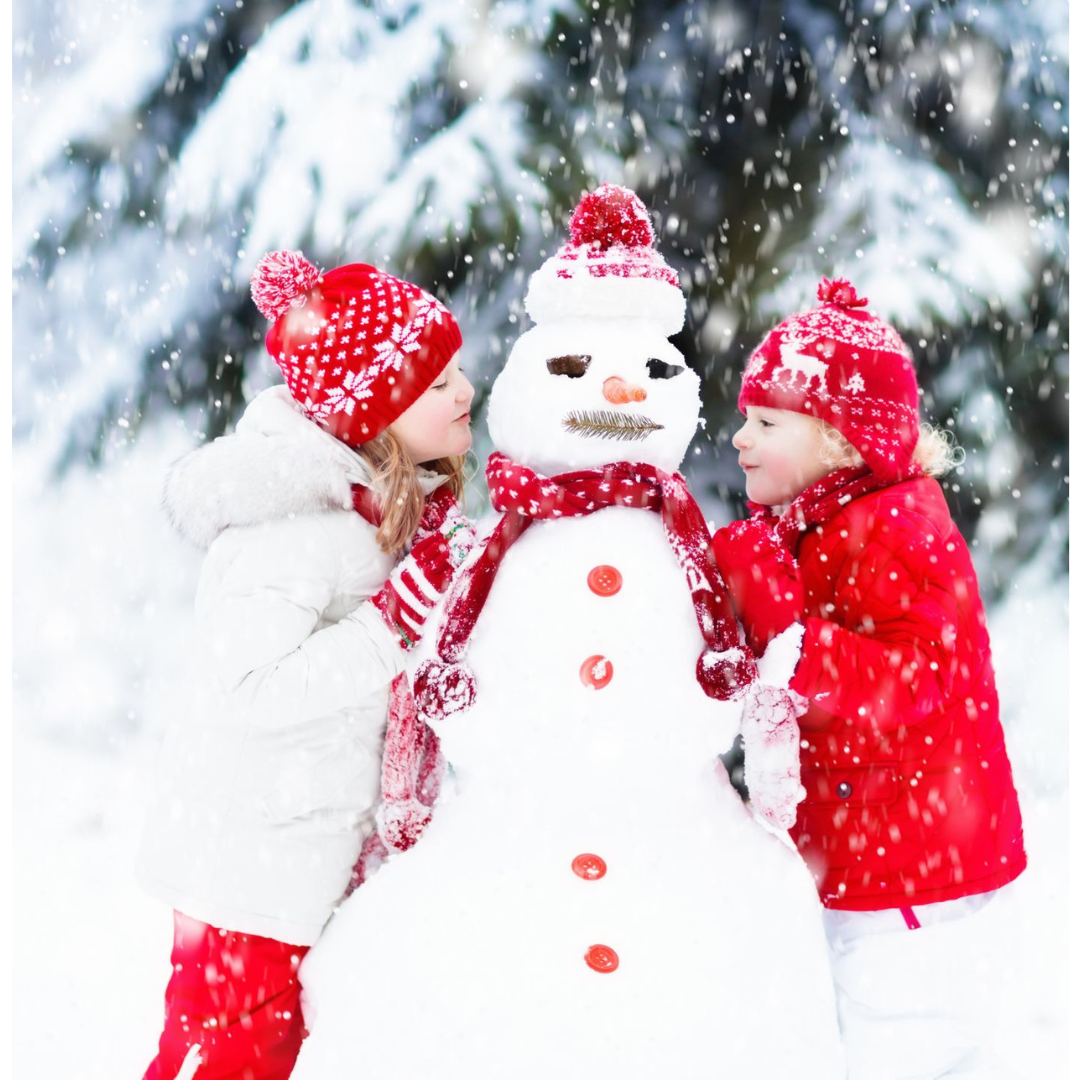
611 425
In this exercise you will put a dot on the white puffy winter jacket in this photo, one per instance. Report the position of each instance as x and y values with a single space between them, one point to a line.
268 785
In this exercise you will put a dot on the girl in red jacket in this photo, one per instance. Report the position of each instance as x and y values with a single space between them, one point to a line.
910 819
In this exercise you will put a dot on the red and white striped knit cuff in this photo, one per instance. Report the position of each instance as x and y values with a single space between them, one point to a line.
406 601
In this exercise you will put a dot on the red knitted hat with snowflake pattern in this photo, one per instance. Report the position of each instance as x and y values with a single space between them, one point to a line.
610 268
842 364
356 346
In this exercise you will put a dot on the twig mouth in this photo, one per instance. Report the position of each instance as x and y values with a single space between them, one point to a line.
627 427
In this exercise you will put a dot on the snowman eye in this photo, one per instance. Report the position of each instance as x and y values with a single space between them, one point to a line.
573 366
660 370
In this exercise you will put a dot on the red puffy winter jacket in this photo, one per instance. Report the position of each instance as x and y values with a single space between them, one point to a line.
910 798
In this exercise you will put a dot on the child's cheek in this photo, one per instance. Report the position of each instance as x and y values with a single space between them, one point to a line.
777 465
782 474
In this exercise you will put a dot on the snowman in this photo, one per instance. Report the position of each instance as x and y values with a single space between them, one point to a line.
591 898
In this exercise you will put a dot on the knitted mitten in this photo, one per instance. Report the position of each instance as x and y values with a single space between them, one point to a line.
770 731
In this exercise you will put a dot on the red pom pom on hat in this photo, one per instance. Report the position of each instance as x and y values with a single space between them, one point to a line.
841 293
280 279
611 215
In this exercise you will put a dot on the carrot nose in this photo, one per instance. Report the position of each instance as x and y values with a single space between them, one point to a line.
618 391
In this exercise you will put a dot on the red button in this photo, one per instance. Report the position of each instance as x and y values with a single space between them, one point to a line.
596 672
602 958
604 580
589 867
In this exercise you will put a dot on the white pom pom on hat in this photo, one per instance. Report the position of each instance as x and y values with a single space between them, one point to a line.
609 269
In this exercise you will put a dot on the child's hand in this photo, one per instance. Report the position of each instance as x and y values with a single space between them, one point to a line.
770 731
459 534
762 578
439 505
442 515
414 588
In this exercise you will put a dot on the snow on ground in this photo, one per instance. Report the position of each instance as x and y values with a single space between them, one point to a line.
102 598
103 589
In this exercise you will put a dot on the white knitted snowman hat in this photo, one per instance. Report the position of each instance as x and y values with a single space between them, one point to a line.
609 269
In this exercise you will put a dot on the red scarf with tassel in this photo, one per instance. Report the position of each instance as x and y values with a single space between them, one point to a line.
725 669
412 764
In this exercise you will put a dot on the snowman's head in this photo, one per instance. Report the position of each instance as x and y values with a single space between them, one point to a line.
597 380
581 392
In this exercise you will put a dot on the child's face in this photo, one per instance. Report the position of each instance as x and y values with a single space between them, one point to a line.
781 454
436 424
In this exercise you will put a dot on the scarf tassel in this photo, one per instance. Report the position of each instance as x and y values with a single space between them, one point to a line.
442 688
726 675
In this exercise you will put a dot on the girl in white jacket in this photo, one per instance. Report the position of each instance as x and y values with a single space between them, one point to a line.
269 785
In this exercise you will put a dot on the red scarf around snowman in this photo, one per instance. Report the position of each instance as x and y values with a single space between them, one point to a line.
609 258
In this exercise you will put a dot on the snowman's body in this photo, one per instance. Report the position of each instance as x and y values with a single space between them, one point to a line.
465 957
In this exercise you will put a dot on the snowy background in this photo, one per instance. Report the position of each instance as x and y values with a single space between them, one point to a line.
163 145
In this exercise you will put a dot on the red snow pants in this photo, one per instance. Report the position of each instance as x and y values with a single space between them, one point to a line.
237 997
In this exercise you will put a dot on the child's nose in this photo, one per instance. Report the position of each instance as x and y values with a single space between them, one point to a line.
618 391
739 439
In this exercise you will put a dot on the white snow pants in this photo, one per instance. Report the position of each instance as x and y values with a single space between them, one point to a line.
916 989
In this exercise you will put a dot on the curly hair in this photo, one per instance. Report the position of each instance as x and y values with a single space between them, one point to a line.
936 451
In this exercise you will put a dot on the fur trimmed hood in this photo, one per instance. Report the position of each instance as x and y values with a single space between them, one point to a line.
278 463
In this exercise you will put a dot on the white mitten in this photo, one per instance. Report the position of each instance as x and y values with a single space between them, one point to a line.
770 732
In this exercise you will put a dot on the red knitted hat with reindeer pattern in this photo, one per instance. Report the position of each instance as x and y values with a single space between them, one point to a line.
842 364
356 346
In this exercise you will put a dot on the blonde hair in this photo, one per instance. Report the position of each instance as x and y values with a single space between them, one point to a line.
936 450
397 487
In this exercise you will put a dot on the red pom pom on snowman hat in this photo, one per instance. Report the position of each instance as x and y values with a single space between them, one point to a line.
611 215
281 280
609 269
